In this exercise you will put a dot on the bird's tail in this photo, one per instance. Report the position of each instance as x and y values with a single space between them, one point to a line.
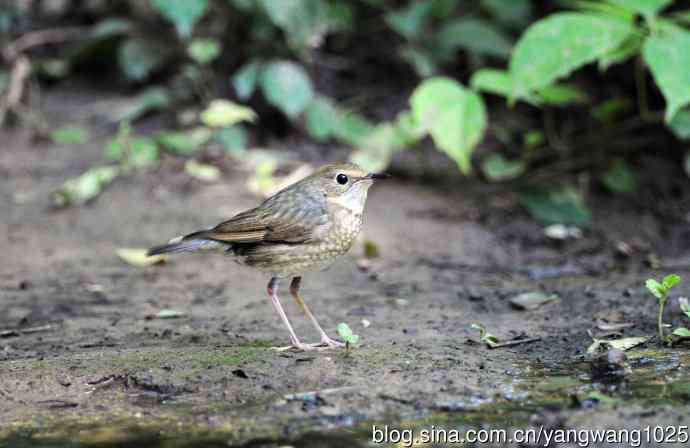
194 242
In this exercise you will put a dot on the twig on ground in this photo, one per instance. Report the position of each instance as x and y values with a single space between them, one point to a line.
515 342
15 90
20 331
303 395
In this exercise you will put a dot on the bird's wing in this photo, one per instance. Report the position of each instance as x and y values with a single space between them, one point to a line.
289 217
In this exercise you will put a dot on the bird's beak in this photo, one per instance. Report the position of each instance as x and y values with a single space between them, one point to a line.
377 176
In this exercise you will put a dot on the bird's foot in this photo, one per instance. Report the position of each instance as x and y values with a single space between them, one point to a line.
325 344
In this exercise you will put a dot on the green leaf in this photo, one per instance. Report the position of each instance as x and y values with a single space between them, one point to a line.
152 99
648 8
182 13
681 332
680 124
375 150
620 178
562 95
420 59
322 118
138 58
303 21
287 86
623 52
670 281
514 13
184 142
346 334
222 113
656 288
244 80
532 139
487 338
493 81
69 135
353 128
561 43
202 171
498 169
233 138
474 35
410 21
204 51
143 152
85 187
608 110
454 116
555 205
665 52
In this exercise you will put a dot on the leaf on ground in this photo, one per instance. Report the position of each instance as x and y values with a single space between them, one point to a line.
555 205
202 171
620 344
169 314
287 86
85 187
69 135
454 116
602 398
554 47
222 113
138 257
681 332
143 152
532 300
665 52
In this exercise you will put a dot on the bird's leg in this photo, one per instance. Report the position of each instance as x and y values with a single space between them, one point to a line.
294 340
325 340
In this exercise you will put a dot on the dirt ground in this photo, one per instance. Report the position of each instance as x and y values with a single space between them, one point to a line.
453 252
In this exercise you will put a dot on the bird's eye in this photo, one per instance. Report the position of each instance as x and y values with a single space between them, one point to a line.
341 179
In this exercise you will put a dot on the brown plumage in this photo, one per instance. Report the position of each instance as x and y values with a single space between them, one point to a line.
302 228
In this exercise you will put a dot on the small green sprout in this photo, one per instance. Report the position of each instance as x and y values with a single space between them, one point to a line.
487 338
660 291
345 332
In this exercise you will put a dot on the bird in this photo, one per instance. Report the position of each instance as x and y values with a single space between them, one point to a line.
304 227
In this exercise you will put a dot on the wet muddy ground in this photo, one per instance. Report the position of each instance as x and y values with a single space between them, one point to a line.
95 369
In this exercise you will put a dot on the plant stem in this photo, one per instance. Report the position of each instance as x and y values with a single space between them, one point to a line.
660 323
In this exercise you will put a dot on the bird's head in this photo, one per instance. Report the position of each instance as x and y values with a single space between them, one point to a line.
344 184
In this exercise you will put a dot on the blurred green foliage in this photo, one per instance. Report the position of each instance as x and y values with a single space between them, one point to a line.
243 60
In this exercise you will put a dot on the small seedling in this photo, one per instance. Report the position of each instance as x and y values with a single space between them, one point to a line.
487 338
345 332
660 291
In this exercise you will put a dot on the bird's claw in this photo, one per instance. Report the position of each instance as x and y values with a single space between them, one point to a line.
325 344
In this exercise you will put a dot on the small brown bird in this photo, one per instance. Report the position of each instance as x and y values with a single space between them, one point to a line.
304 227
